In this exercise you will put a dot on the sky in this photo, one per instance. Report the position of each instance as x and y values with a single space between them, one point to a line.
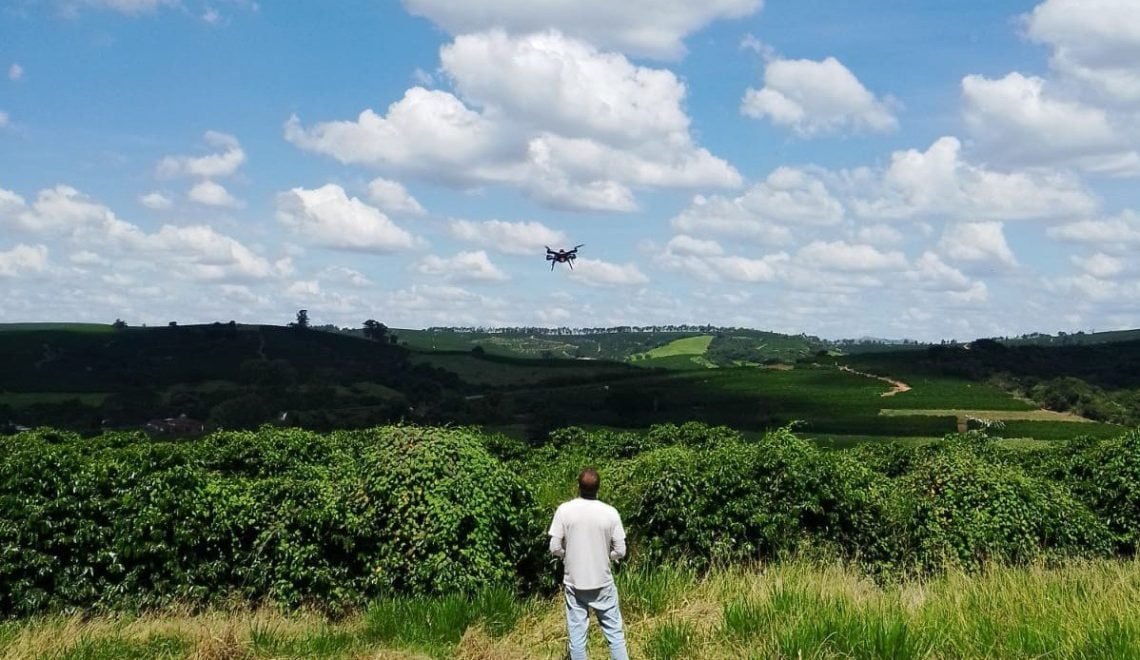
889 168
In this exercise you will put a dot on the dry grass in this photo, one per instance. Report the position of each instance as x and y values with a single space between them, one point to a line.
1081 610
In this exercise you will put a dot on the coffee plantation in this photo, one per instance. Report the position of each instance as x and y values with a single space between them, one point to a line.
335 521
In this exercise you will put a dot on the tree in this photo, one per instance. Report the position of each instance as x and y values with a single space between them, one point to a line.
375 330
119 324
302 322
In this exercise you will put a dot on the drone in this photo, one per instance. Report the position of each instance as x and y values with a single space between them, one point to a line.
562 256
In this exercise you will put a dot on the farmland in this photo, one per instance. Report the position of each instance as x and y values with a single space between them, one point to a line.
375 497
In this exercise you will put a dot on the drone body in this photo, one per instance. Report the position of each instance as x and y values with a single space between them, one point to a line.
562 256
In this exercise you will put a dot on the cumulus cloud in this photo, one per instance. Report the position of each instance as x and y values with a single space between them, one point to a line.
879 234
1100 265
507 237
789 198
571 126
330 218
842 256
469 265
195 252
596 272
392 197
210 193
706 259
23 259
817 98
654 28
156 201
15 72
222 163
1095 42
1120 232
977 241
939 182
1017 120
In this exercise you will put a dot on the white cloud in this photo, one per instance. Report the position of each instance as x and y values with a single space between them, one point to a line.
521 238
23 259
1100 265
15 72
58 210
788 198
706 260
976 241
210 193
816 98
1096 42
330 218
392 197
567 87
940 183
155 200
87 258
1017 120
841 256
931 272
571 126
3 119
1115 233
195 252
216 165
468 265
879 234
596 272
654 28
345 275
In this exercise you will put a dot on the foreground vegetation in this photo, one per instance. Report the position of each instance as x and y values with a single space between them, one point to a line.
795 609
123 522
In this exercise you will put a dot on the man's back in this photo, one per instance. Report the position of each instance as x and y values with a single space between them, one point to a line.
591 534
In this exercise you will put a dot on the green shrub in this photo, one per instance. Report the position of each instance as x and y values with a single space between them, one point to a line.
287 515
1105 475
962 507
742 502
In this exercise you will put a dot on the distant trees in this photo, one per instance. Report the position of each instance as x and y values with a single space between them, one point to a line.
375 330
119 324
302 322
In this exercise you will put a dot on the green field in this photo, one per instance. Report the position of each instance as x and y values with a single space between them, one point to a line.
687 346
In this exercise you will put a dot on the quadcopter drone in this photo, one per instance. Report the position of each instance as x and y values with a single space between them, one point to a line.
562 256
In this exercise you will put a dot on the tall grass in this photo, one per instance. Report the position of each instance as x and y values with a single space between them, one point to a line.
1082 610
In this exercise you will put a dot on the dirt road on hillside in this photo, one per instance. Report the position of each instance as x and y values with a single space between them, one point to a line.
897 386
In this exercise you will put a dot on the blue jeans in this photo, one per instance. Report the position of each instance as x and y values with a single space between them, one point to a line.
604 602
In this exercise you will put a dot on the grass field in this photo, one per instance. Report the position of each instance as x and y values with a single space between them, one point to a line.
794 610
994 415
686 346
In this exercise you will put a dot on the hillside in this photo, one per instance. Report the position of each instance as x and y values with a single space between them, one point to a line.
237 376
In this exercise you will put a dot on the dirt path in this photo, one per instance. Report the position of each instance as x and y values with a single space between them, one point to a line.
897 386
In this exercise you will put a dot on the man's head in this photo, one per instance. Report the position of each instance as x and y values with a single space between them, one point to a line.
588 482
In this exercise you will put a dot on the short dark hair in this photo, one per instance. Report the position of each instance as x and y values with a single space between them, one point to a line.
588 482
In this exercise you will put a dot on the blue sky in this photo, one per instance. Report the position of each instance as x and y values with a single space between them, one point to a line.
889 168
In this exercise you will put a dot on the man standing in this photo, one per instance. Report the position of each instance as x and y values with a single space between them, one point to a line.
588 534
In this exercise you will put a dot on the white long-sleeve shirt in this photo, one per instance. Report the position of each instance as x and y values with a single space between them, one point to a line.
588 535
